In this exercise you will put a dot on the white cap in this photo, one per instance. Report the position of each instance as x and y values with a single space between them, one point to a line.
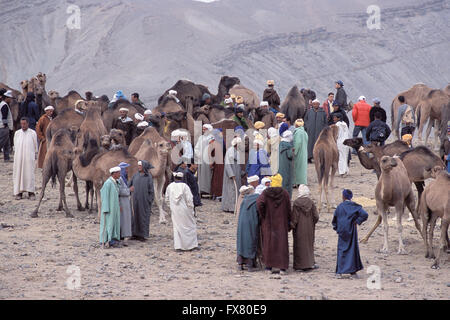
49 108
241 106
124 109
115 169
362 98
235 141
142 124
315 100
173 92
265 180
139 116
252 179
208 126
139 163
229 100
245 189
148 111
264 104
8 94
178 174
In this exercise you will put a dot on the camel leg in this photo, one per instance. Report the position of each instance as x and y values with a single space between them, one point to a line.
410 204
99 203
425 221
437 133
88 190
386 231
319 207
433 220
62 195
45 180
75 190
428 132
424 117
375 226
158 185
443 243
399 211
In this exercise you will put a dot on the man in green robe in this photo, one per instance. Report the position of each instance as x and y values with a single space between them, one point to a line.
300 153
110 215
285 167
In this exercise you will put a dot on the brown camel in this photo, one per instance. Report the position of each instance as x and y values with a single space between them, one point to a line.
68 101
113 112
92 126
326 157
67 118
434 204
430 108
157 154
57 163
149 133
412 96
294 105
251 99
210 113
394 190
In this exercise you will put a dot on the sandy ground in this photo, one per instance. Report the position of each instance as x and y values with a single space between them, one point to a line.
35 255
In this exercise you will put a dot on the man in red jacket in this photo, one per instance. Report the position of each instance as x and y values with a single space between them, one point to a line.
361 118
327 105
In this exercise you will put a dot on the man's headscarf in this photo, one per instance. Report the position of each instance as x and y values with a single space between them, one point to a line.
272 132
287 136
303 191
284 126
299 123
146 166
347 194
123 172
277 180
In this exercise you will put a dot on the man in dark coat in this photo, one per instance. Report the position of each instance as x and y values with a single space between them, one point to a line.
304 219
274 209
341 95
336 110
126 124
377 108
315 121
30 110
271 96
190 179
248 233
345 218
143 195
7 124
378 131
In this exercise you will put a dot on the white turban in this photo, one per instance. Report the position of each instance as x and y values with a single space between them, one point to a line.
147 112
173 92
264 104
115 169
235 141
139 116
316 101
178 174
303 191
229 100
49 108
246 189
176 133
287 136
208 127
252 179
272 132
362 98
139 163
124 109
265 180
142 124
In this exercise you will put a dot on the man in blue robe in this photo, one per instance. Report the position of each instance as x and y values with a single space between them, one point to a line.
248 233
258 161
345 218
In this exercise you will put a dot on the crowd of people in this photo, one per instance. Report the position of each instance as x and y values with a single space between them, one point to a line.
259 190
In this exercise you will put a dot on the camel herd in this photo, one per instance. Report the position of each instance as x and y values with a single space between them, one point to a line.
88 146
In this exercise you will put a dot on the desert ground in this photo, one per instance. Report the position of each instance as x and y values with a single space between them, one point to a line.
36 255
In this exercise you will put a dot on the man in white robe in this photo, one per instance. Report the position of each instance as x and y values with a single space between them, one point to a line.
344 134
201 157
181 203
26 148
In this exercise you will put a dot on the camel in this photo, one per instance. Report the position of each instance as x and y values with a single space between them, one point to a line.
430 108
251 99
434 204
57 163
37 84
157 154
149 133
445 142
294 105
112 113
68 101
371 163
210 114
92 126
326 157
412 96
67 118
394 190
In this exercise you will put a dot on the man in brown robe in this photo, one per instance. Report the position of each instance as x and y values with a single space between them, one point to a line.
274 209
304 219
271 96
41 128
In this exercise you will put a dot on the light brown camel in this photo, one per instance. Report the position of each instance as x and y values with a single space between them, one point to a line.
251 99
326 157
68 101
157 154
430 109
149 133
66 119
434 204
412 96
394 190
92 126
57 163
112 112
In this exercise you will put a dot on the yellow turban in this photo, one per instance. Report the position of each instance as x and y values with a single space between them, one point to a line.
259 125
299 123
277 180
280 115
270 82
233 96
407 138
239 99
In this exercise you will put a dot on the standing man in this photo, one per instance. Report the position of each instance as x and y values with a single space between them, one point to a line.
343 135
304 219
315 121
135 100
125 203
327 105
30 110
231 176
141 186
361 118
126 124
377 108
271 96
337 111
258 161
110 218
25 143
274 209
180 201
346 216
341 95
406 117
285 166
7 123
378 131
201 158
300 153
190 179
279 120
41 129
239 117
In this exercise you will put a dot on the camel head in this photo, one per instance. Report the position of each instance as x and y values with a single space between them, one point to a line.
436 171
42 79
73 130
163 147
177 116
53 94
117 137
335 131
308 94
24 84
354 143
105 141
387 163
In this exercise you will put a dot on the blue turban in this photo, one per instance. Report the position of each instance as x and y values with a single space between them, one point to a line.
284 126
348 194
119 95
123 173
239 128
206 96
